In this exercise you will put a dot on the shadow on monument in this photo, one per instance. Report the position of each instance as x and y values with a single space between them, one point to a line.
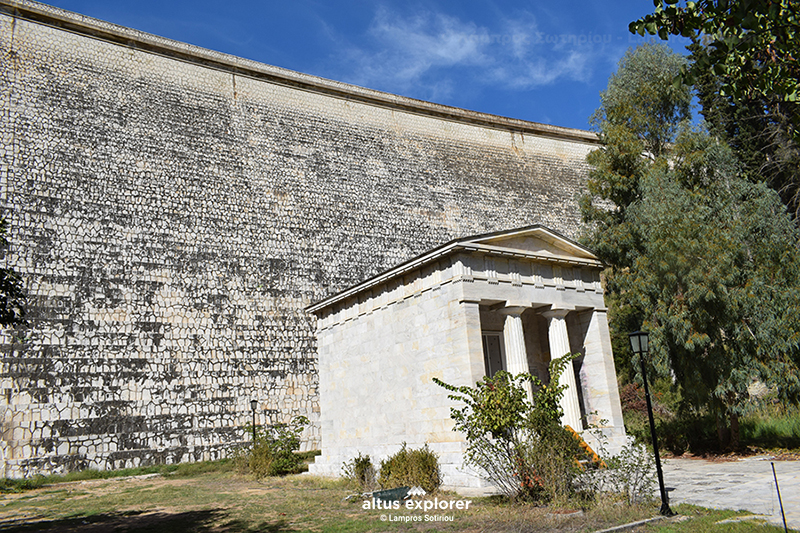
151 522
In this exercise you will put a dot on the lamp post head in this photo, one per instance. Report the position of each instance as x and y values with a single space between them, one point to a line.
253 404
639 342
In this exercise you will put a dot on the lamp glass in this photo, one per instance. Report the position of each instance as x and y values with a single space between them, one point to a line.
253 404
634 343
639 342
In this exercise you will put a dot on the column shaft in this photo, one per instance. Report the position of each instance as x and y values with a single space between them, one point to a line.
599 376
516 355
559 346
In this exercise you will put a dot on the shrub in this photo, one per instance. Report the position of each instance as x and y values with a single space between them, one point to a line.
360 471
630 475
520 447
411 468
552 455
273 451
686 431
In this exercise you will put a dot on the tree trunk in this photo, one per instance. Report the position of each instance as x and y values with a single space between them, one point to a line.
734 431
723 433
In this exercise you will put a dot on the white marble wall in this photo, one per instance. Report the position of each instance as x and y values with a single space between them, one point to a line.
380 348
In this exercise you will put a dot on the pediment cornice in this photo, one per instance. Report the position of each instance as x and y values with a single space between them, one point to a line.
534 243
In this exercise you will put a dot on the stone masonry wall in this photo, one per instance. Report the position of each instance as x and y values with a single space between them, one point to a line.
173 211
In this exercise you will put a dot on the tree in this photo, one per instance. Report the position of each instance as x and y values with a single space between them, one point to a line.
640 114
642 98
642 83
11 292
756 129
705 259
752 43
744 66
716 280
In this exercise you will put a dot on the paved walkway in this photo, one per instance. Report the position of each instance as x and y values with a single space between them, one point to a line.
746 484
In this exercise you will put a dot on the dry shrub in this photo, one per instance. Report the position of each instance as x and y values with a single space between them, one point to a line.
411 468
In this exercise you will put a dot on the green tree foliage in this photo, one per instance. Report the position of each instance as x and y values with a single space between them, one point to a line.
640 113
716 278
12 296
705 259
744 67
752 43
756 129
643 102
520 447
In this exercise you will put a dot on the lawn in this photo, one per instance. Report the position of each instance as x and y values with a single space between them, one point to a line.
216 498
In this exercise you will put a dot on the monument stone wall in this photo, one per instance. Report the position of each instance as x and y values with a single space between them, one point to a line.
172 211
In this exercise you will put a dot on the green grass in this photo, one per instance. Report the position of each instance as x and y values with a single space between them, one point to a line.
178 470
772 427
692 519
214 497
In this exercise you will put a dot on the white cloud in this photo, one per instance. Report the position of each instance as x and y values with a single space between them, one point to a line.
431 54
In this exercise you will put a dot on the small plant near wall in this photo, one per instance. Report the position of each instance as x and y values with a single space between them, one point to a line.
521 447
633 473
360 472
273 451
629 476
411 468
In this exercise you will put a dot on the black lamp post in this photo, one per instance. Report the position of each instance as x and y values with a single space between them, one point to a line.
254 406
640 347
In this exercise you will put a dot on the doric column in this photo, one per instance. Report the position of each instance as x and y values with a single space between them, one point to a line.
514 340
599 376
559 346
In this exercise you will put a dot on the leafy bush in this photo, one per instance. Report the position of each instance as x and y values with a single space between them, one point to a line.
686 431
552 455
410 468
766 423
630 475
521 448
679 427
360 471
273 451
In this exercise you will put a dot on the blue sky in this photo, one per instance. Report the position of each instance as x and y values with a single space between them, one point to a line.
539 61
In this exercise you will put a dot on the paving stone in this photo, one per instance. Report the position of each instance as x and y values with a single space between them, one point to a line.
747 484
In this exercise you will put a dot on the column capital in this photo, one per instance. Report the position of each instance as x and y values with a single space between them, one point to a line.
515 310
556 313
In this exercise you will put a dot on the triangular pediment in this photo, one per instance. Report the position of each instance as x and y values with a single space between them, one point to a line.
536 240
536 243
